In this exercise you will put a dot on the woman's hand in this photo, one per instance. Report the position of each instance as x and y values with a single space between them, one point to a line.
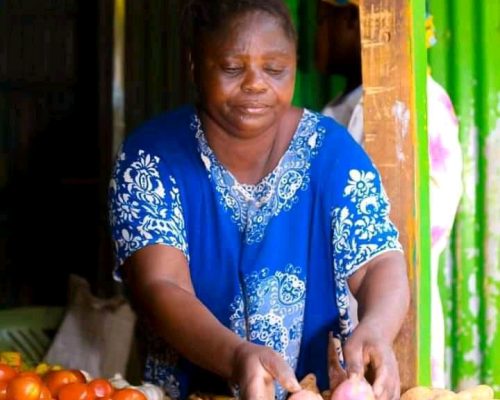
256 369
382 291
367 349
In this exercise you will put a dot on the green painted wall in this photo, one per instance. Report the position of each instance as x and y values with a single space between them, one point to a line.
312 90
419 64
466 60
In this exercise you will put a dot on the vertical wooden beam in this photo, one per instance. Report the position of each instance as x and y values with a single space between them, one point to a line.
394 65
118 74
105 286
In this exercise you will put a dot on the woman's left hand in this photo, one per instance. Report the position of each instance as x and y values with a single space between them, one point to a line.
382 291
367 349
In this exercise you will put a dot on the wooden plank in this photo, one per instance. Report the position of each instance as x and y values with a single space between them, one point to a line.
392 97
105 287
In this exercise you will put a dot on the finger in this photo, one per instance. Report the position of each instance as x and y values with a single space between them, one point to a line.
380 386
386 384
354 361
281 371
257 389
336 372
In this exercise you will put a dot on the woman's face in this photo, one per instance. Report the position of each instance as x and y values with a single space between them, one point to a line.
245 74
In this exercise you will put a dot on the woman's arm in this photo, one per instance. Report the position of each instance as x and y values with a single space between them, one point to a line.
161 286
382 291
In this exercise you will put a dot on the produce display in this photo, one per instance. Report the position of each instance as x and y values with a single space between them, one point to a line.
356 388
479 392
53 382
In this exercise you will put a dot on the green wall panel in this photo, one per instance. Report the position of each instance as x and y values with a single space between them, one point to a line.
312 90
466 60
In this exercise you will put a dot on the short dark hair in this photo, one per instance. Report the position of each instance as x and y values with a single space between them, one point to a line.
205 16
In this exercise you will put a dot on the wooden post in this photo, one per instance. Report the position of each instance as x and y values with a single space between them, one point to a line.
394 66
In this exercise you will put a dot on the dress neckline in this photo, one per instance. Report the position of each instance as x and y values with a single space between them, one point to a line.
251 206
247 189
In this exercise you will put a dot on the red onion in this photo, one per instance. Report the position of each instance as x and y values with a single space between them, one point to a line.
353 388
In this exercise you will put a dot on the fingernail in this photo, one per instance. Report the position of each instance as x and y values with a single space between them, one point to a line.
353 374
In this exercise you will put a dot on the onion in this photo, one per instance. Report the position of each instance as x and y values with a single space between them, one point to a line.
353 388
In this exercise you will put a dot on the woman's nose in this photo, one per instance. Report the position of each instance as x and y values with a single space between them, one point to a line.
253 82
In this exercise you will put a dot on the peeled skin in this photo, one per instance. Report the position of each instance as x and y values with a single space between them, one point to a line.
309 383
309 390
353 388
305 394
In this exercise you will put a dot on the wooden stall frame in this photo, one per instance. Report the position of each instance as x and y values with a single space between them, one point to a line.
394 81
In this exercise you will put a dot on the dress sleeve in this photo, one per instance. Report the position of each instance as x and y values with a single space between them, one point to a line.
361 228
144 205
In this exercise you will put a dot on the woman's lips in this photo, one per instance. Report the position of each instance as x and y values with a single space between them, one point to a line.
253 109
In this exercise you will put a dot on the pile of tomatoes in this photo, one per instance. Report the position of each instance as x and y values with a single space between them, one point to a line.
63 384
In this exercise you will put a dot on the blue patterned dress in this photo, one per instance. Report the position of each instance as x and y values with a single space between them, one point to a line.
269 260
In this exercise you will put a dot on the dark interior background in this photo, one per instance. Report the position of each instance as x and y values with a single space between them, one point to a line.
56 128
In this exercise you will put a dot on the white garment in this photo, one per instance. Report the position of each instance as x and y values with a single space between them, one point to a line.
445 189
347 110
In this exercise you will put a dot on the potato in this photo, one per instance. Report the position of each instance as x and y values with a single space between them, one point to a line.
479 392
309 383
305 394
203 396
443 394
326 394
418 393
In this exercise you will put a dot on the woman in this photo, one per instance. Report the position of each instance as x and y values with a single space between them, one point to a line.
239 223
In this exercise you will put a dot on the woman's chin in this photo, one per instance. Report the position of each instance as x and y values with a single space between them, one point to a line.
253 123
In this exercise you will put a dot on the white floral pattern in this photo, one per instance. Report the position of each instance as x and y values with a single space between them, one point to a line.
162 366
141 212
360 231
271 312
264 305
252 206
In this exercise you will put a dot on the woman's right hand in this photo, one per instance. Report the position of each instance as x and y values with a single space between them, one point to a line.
256 369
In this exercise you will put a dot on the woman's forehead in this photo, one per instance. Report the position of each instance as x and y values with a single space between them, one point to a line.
251 27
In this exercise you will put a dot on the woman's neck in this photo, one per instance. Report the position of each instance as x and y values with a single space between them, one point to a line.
252 158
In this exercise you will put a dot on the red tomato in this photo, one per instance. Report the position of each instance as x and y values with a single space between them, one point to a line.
75 391
24 388
6 372
3 390
31 374
44 393
79 374
54 380
101 387
129 394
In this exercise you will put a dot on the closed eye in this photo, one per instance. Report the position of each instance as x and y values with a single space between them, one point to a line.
274 71
232 70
